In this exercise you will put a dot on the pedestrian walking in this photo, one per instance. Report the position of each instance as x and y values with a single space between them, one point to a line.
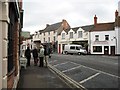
46 53
41 56
35 55
28 55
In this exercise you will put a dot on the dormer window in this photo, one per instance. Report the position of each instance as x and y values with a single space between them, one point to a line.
71 34
63 35
48 33
80 35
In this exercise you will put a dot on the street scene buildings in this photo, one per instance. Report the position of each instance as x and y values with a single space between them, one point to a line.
97 69
97 38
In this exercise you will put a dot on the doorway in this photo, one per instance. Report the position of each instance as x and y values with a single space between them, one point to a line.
112 50
106 50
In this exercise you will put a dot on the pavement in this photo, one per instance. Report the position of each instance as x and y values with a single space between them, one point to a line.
39 77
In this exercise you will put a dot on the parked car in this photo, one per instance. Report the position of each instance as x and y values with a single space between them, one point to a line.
74 49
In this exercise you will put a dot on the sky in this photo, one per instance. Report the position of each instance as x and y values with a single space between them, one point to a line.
38 13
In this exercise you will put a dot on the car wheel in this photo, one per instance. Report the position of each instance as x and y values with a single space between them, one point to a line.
79 53
66 52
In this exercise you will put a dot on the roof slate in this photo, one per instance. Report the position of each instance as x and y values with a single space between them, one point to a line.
52 27
88 27
103 27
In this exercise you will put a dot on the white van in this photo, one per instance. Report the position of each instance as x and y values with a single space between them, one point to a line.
74 49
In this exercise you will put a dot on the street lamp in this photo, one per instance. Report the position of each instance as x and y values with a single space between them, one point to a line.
115 43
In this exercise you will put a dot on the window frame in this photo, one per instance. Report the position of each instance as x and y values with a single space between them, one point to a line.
63 35
97 49
96 37
71 48
71 35
80 34
106 36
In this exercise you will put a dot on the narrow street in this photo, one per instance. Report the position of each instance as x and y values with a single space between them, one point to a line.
88 71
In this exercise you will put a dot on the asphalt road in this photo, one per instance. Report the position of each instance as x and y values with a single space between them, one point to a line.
89 71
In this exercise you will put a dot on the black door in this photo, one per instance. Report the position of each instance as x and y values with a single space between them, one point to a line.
106 50
112 50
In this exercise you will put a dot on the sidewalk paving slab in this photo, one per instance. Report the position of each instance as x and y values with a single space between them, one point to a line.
39 77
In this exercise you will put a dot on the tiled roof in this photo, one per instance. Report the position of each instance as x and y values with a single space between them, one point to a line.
75 29
87 27
103 27
67 30
52 27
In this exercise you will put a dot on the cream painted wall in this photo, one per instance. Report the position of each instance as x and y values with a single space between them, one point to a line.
4 20
0 46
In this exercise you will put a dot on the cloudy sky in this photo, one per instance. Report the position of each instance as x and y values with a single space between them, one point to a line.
38 13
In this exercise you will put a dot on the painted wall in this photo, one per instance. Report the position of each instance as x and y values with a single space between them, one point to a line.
117 29
3 43
102 42
0 46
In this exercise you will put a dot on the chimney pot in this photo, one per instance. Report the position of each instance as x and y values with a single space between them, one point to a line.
116 14
47 25
95 20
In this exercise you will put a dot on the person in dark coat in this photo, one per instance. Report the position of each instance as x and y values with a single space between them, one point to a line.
35 56
28 55
46 53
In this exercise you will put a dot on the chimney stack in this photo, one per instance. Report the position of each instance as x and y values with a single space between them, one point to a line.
95 20
47 25
116 14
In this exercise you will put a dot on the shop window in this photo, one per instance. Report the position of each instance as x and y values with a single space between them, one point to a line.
97 48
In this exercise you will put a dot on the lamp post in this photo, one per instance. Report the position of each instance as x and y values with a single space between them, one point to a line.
115 43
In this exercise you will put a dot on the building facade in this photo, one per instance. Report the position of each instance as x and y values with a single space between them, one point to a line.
10 25
104 37
78 35
49 35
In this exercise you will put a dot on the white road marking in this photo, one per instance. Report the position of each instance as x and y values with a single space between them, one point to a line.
60 64
97 70
52 61
71 69
89 78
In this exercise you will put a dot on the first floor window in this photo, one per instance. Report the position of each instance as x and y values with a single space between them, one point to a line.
106 37
96 37
97 48
71 34
63 35
54 38
80 34
48 39
44 39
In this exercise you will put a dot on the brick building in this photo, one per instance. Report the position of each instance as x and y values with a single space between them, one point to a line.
11 14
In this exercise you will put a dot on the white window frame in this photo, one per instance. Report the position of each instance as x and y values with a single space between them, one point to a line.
63 35
96 37
71 35
80 34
